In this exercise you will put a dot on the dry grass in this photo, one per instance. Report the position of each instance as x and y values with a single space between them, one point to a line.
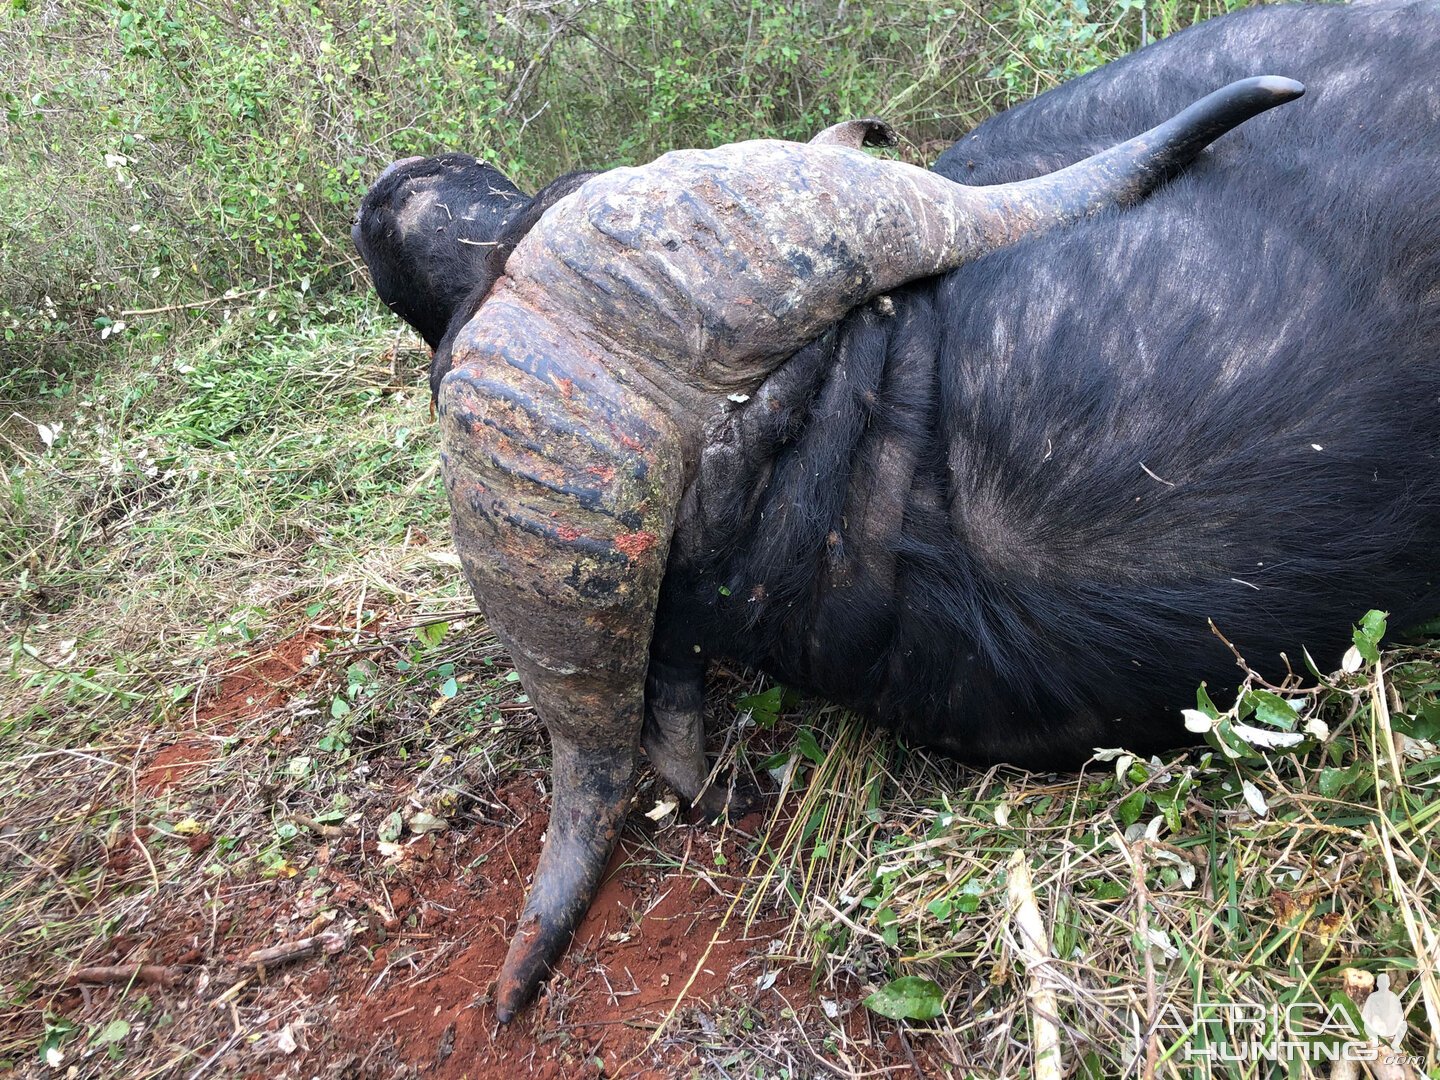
1210 902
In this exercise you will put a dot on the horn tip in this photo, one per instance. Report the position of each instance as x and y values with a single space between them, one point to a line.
524 968
1280 87
511 997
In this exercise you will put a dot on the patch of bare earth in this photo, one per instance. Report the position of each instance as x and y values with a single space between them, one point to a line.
252 688
412 995
423 998
357 958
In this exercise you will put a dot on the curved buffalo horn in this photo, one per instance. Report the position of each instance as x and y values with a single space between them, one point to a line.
576 406
591 792
720 262
1125 173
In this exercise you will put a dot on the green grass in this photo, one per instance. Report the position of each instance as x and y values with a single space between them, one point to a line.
1328 864
250 457
304 445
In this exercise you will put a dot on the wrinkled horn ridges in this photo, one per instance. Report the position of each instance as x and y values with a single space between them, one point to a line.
719 263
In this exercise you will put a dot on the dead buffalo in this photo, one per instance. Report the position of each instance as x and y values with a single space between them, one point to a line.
982 462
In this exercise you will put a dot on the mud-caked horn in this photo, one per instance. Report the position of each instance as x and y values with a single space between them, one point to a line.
573 414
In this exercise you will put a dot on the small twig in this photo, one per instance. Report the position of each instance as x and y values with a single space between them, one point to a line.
611 53
524 123
423 479
1142 904
226 997
204 1067
909 1053
556 30
360 611
154 974
1283 688
1240 660
321 829
154 873
300 949
76 752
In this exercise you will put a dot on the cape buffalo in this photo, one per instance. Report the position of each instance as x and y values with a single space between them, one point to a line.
982 462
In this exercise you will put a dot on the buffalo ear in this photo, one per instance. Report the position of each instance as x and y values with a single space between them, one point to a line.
867 131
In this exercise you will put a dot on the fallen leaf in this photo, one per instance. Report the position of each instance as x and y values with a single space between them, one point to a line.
1266 739
1254 798
422 822
1197 721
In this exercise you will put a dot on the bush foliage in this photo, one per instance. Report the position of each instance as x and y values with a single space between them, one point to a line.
169 154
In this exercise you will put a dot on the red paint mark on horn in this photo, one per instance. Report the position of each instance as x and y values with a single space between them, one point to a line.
635 544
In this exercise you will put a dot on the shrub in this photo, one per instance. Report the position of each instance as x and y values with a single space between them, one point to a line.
156 155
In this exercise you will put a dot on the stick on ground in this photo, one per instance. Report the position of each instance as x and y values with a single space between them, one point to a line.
154 974
1033 947
300 949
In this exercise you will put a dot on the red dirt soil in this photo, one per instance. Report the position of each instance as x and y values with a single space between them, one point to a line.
429 922
644 936
414 986
250 686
